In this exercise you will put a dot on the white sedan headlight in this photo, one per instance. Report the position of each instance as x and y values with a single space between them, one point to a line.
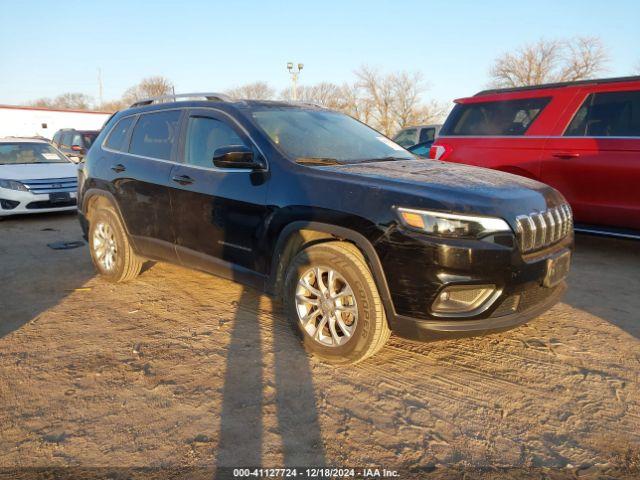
13 185
452 224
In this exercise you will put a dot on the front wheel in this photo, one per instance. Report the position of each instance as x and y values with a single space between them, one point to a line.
331 297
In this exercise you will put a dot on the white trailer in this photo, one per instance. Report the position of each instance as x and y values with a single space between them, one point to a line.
17 121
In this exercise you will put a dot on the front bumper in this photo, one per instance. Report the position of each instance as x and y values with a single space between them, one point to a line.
417 329
418 268
15 202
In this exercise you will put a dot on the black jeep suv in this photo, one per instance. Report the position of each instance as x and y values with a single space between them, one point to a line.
356 235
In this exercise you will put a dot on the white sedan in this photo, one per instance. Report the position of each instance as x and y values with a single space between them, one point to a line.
35 177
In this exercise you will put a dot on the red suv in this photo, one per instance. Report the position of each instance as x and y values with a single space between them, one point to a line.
582 138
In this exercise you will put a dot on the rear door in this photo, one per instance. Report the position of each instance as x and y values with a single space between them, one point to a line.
140 179
595 158
217 212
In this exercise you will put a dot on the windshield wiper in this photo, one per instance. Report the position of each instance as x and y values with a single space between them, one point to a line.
382 159
318 161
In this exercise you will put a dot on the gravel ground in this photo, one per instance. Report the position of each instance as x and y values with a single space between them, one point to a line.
181 370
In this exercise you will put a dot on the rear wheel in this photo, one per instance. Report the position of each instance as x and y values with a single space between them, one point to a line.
331 297
110 248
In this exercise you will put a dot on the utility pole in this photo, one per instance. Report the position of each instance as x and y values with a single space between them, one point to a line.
100 86
294 79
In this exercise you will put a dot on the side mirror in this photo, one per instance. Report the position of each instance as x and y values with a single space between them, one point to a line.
235 156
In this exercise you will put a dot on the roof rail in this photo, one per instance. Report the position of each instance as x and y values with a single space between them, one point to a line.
558 85
213 97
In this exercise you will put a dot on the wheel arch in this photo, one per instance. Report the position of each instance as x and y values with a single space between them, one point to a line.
94 198
302 234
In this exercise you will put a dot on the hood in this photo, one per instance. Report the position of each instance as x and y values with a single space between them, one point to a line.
451 186
38 171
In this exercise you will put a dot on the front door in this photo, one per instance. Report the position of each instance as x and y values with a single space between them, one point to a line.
217 213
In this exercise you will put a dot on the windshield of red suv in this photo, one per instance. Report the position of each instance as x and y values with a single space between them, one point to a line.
23 152
322 135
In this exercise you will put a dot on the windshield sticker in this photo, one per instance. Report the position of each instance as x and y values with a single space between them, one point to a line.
51 156
391 144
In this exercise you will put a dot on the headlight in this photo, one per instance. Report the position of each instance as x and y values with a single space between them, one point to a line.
13 185
452 224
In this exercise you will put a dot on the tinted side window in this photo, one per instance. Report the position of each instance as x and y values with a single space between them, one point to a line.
119 134
204 136
607 114
508 117
77 140
427 134
56 138
154 134
66 139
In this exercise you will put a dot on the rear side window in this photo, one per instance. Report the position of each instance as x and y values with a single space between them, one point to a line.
608 114
118 134
56 138
508 117
154 134
66 139
427 135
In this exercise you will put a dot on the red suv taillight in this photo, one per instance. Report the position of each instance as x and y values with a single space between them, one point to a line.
440 152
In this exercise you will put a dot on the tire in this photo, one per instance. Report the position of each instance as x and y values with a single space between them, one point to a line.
369 331
126 264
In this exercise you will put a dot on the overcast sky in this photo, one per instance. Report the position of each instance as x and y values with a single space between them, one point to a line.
52 47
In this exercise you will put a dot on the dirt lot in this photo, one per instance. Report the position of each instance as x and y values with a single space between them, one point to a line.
183 369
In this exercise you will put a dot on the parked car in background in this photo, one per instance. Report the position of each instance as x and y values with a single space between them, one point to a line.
35 177
74 143
410 136
421 149
354 233
582 138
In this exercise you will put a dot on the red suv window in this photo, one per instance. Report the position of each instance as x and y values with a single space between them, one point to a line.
507 117
607 114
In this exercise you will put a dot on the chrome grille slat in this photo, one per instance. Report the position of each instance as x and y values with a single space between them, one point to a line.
541 229
51 185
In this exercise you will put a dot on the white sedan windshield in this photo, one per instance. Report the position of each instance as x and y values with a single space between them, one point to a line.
17 153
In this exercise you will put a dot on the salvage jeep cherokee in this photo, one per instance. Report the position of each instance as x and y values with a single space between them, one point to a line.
355 234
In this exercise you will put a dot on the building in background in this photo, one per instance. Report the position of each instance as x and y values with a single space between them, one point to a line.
17 121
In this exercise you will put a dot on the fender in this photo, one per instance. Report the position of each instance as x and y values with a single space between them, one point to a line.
274 282
97 192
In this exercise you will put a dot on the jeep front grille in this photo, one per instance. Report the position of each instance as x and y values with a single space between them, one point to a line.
542 229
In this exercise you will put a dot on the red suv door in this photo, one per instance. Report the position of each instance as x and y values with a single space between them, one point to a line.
594 156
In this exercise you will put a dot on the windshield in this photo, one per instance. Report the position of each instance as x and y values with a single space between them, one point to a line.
326 136
24 153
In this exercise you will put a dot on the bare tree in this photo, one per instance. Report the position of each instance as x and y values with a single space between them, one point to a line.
379 92
548 61
74 101
255 91
148 88
113 106
394 100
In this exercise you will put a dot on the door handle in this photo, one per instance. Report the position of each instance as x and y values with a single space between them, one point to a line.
119 168
182 179
566 155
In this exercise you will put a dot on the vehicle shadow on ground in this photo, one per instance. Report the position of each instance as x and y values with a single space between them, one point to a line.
34 277
246 394
599 263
